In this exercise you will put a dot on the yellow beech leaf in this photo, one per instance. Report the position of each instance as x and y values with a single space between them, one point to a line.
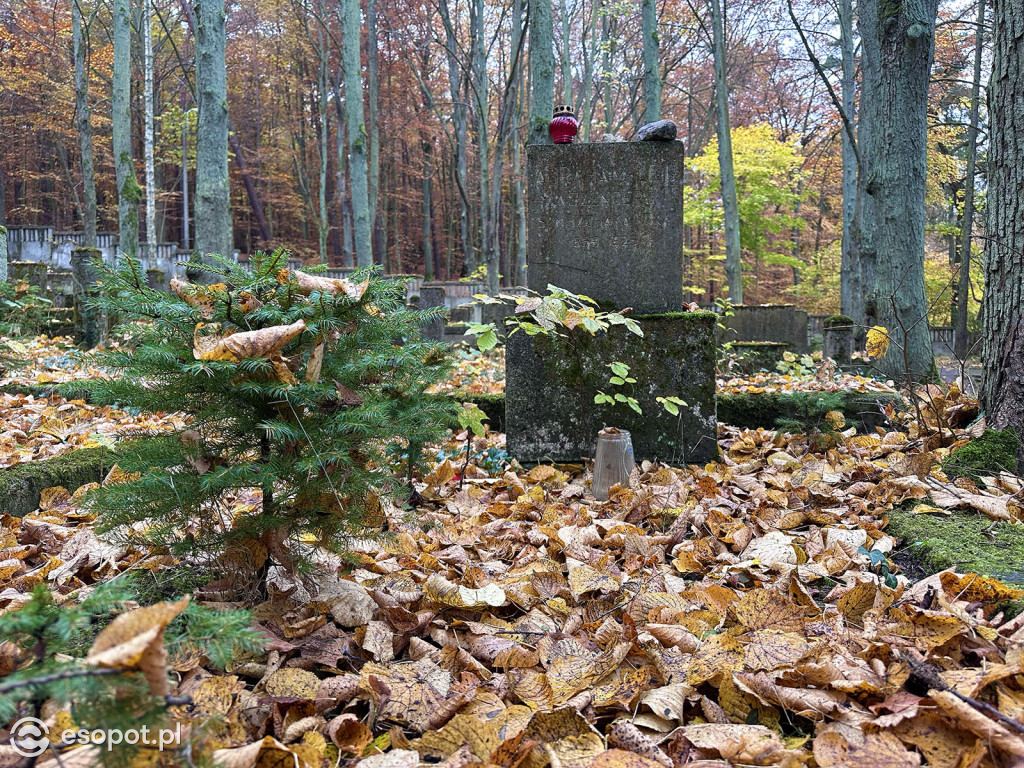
585 578
877 343
832 750
267 753
567 737
293 683
440 590
470 731
739 744
136 640
973 588
767 609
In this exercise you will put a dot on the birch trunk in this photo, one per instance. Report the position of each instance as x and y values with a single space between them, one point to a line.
960 345
730 206
542 70
356 122
83 125
214 233
147 86
898 110
587 88
652 73
1002 395
128 191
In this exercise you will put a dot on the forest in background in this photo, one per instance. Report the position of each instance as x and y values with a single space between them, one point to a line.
447 91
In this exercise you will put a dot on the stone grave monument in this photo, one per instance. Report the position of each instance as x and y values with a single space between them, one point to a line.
606 221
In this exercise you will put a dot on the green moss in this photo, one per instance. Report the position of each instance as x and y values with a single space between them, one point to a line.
765 409
698 315
20 485
966 541
994 452
833 321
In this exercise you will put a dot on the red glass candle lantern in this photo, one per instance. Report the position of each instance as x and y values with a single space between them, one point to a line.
563 126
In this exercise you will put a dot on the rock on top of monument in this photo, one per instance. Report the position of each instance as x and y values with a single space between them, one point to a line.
660 130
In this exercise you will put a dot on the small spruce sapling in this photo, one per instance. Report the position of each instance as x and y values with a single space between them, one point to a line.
297 390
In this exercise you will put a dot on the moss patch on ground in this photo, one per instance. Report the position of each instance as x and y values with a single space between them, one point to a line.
994 452
21 484
966 541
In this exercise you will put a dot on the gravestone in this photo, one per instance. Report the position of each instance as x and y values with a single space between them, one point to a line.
782 323
605 221
838 339
429 299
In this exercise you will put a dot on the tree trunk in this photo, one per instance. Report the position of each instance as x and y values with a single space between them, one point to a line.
542 70
566 63
83 124
652 73
456 89
323 221
587 87
428 245
186 238
608 41
849 274
128 191
356 120
730 206
898 108
373 98
214 232
147 63
960 345
1002 394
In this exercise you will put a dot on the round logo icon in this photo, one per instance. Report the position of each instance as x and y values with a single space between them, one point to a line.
30 737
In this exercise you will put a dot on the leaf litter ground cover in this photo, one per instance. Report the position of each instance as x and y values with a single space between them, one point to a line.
484 373
747 612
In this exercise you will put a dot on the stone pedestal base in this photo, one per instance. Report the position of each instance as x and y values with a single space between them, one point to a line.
550 383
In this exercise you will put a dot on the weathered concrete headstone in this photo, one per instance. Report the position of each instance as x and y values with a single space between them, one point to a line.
429 299
838 339
550 414
606 220
91 323
783 323
32 272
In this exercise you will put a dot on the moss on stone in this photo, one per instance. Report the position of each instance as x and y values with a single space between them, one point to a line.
966 541
994 452
21 484
841 321
764 409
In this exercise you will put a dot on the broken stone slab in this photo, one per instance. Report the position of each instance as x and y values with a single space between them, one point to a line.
550 384
606 221
659 130
782 323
